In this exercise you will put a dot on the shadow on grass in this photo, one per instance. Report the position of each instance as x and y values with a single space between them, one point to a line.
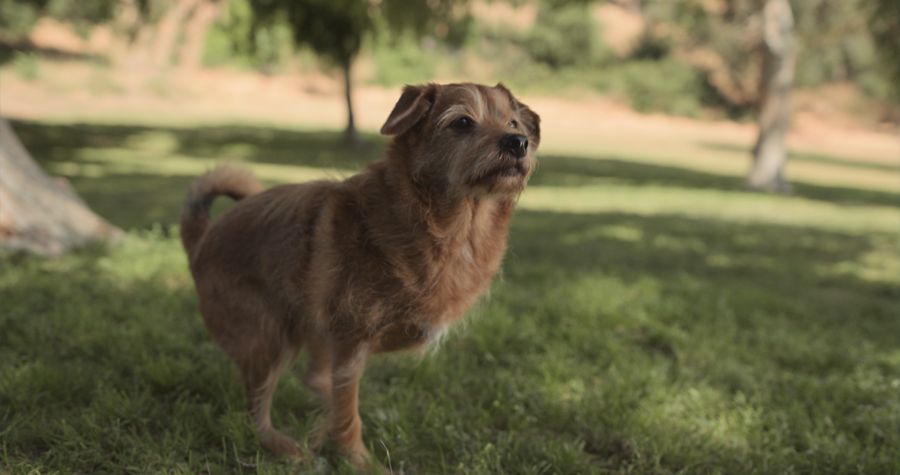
50 143
812 158
323 149
100 372
576 171
782 269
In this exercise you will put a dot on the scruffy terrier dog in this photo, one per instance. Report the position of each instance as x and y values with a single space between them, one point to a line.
382 261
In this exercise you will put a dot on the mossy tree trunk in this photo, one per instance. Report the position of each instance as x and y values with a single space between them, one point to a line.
38 213
770 152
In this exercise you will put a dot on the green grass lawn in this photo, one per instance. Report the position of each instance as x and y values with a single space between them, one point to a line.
649 319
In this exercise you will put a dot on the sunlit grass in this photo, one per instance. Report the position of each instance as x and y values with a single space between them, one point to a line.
879 170
650 318
737 207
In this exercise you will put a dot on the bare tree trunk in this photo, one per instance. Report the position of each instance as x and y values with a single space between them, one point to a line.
350 133
38 213
205 14
168 29
770 152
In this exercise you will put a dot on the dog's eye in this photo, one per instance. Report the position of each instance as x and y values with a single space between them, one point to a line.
514 124
463 123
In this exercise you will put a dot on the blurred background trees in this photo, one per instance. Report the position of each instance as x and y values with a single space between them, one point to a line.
699 58
40 214
336 29
690 57
707 51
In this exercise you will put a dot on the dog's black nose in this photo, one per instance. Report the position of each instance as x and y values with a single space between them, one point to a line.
515 144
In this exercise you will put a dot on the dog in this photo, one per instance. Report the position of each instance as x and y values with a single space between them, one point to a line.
383 261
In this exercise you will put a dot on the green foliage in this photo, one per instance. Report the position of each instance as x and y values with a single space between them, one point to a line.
884 16
564 50
82 13
564 36
723 29
834 40
334 29
235 39
839 38
666 85
448 21
18 17
649 319
653 47
403 60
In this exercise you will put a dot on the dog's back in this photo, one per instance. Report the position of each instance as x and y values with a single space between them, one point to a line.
262 245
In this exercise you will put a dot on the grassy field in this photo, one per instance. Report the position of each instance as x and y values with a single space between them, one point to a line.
649 319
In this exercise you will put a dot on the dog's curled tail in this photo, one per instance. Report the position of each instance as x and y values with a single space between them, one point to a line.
234 182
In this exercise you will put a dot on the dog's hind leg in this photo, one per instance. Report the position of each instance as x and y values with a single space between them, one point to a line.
261 377
249 331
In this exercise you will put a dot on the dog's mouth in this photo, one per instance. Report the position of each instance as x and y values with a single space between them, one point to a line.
514 170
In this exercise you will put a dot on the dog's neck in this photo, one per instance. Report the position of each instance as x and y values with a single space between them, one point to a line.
448 219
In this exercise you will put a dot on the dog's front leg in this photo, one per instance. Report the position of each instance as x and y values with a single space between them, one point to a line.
348 363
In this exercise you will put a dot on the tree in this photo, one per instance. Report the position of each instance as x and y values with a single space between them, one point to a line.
335 29
205 13
746 49
168 30
38 213
884 23
181 31
774 116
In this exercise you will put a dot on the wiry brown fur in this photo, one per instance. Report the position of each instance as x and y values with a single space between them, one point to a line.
382 261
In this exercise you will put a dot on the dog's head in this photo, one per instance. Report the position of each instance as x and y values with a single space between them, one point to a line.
466 138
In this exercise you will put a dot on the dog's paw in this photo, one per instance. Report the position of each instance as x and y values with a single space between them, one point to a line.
364 462
280 444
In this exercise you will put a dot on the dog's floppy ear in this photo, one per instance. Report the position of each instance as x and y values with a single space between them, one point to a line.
530 119
413 104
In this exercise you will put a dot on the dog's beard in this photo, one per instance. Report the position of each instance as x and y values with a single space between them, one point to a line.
500 175
496 174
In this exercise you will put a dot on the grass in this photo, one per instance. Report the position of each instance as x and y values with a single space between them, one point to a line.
649 319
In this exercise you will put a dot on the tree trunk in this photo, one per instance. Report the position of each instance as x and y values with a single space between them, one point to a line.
191 55
38 213
167 31
350 133
770 151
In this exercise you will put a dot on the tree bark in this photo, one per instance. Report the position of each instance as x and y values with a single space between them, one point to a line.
770 151
350 133
40 214
191 55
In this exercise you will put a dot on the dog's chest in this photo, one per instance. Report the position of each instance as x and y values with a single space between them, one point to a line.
457 284
432 302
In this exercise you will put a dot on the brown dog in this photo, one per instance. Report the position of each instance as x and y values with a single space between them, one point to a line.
382 261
